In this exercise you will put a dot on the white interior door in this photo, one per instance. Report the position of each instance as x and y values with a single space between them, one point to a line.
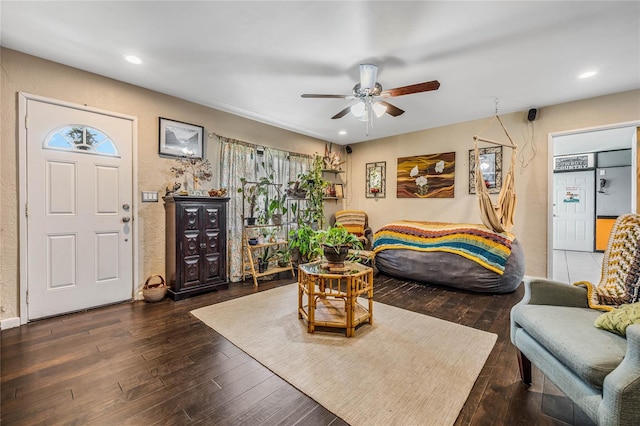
79 196
573 210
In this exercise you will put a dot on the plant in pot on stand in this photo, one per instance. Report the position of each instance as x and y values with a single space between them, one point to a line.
315 186
264 259
250 195
336 242
277 208
304 245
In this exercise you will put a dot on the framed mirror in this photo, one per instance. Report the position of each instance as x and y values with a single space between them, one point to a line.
491 166
376 176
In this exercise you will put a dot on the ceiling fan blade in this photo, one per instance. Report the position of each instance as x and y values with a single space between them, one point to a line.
392 109
368 76
341 113
312 95
414 88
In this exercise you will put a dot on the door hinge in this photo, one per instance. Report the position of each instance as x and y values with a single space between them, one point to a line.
26 121
27 297
26 209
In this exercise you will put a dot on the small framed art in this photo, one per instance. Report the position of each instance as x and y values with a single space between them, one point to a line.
491 167
339 190
178 139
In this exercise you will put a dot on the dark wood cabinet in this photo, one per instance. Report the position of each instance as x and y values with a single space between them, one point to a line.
196 238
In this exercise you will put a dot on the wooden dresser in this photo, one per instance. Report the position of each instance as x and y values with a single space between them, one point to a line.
196 245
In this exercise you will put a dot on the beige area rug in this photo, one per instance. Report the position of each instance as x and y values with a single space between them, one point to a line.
405 369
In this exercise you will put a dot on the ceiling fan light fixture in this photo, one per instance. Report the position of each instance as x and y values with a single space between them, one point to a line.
358 109
379 109
368 75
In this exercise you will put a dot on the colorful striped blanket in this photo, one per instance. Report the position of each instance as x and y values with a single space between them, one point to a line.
474 242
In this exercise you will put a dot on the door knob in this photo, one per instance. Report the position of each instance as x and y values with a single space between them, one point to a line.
203 245
126 219
125 207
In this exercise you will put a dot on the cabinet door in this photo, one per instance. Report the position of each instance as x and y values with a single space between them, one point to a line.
214 243
191 245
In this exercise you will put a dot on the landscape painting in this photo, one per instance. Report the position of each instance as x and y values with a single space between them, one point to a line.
426 176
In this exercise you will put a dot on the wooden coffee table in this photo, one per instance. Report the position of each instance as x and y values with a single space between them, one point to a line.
328 297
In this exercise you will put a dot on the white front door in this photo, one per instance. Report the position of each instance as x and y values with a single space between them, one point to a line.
573 210
79 209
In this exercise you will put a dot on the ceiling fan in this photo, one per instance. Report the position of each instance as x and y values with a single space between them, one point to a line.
371 97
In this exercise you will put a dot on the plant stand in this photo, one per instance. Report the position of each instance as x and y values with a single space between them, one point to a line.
250 257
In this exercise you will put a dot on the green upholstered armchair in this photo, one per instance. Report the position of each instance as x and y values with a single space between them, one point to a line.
553 328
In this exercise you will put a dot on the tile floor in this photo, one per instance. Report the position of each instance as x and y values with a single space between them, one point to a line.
572 266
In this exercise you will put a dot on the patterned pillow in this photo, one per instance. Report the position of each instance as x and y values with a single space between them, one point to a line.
617 320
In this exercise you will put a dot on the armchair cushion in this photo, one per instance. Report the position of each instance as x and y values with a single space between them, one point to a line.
619 319
565 333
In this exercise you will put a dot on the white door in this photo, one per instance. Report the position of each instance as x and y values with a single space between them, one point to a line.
79 196
573 210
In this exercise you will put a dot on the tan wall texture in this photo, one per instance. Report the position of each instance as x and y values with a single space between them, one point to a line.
531 182
26 73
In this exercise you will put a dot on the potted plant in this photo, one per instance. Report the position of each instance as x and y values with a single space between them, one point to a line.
336 242
264 259
284 257
313 182
278 207
303 244
250 195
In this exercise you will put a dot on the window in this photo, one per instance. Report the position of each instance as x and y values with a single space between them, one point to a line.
79 138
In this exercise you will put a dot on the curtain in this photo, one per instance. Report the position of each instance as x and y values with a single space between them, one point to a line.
241 159
237 159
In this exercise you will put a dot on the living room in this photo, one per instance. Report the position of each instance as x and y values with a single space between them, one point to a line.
30 74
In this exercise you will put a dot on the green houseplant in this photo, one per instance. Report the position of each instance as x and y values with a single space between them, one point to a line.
313 182
336 242
303 244
277 207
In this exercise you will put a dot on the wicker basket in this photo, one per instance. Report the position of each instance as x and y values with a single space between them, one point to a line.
156 291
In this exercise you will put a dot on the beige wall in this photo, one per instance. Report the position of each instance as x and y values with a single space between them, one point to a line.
531 182
32 75
36 76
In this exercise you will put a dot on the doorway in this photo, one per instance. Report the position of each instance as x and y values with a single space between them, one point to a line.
621 136
77 186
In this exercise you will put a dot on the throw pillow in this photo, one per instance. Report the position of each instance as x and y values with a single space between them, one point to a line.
619 319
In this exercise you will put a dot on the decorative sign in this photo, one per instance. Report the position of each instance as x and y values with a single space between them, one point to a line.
571 194
573 162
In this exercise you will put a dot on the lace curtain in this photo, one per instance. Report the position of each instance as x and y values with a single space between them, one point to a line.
240 159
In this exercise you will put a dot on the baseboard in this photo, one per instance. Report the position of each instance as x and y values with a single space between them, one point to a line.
9 323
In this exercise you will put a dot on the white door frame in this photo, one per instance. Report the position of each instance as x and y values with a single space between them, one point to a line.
634 189
22 189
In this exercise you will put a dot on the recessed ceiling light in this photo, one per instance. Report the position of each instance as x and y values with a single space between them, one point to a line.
342 132
587 74
133 59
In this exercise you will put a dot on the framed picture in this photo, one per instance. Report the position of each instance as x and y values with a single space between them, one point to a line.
376 178
178 139
491 166
427 176
339 190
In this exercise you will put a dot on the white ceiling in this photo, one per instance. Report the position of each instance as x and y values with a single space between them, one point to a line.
255 59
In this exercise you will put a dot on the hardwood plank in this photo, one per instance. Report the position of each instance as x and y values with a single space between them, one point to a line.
154 363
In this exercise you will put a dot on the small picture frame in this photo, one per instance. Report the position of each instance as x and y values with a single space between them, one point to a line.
376 180
179 139
491 166
339 190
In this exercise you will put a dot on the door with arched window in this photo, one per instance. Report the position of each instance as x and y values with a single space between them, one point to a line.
79 208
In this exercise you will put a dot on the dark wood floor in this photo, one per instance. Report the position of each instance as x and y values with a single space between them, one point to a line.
153 363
